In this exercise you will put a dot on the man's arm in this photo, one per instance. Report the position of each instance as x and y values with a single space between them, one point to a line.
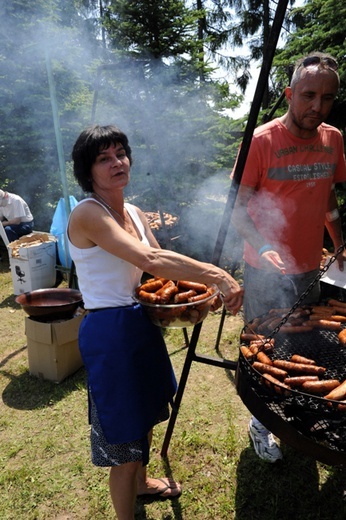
242 220
333 225
13 221
246 228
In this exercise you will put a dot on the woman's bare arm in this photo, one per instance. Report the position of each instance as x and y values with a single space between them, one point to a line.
91 225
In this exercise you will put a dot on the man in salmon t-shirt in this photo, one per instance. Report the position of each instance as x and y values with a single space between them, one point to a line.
285 201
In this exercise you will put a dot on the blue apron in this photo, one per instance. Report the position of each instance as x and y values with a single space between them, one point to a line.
130 375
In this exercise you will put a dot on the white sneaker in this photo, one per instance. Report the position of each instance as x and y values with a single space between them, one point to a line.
263 442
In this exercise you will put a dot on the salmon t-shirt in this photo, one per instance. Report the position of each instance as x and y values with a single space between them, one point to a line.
293 178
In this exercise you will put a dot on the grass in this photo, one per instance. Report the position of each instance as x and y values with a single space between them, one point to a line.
46 471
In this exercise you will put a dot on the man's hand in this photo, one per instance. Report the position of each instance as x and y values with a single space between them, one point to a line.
340 259
271 261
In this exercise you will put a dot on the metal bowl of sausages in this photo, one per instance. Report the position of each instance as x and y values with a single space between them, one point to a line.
298 376
175 304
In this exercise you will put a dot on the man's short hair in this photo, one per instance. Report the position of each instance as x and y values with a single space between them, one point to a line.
322 60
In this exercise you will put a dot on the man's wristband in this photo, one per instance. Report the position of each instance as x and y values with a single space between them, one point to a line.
332 215
263 249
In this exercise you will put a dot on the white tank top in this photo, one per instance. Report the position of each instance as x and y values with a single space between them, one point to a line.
104 279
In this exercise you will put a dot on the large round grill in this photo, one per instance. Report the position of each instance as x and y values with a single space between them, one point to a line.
293 414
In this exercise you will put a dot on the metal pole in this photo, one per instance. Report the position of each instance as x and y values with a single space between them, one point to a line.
191 355
250 127
58 139
58 136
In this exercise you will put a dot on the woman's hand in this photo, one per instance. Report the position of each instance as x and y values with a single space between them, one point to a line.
232 297
216 303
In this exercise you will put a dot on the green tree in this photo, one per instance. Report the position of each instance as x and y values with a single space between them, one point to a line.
156 29
320 26
251 28
149 84
28 161
154 74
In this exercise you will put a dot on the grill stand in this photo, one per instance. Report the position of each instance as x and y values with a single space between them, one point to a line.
220 240
254 403
190 357
282 429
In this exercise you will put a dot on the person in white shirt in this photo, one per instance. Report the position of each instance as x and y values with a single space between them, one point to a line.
15 215
130 376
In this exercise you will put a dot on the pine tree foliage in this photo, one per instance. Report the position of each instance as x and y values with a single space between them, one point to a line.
148 67
320 26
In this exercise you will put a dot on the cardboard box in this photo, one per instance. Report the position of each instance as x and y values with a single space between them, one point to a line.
32 266
53 351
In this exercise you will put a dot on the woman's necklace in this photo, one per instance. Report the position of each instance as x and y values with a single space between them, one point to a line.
109 207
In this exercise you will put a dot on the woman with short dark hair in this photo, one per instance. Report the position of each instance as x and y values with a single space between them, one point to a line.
130 377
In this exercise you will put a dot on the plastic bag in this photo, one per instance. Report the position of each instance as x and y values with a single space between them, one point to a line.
58 229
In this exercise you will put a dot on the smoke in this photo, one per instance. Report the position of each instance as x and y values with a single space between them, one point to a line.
29 157
168 125
203 222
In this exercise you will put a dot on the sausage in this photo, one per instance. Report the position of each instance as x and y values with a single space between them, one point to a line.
299 368
198 287
270 380
332 316
269 323
273 371
263 345
263 358
342 337
151 286
246 352
320 387
245 336
321 309
268 347
336 303
255 322
300 313
295 322
316 317
336 317
342 406
167 291
254 348
282 312
299 380
149 297
339 310
339 393
287 329
183 297
301 359
199 297
139 287
165 313
260 341
326 324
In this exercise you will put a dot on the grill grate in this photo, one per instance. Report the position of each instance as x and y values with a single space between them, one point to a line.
312 416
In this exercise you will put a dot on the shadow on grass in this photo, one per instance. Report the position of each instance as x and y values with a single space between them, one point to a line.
292 489
10 302
13 354
26 392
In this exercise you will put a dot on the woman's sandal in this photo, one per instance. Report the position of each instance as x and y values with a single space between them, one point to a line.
160 494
